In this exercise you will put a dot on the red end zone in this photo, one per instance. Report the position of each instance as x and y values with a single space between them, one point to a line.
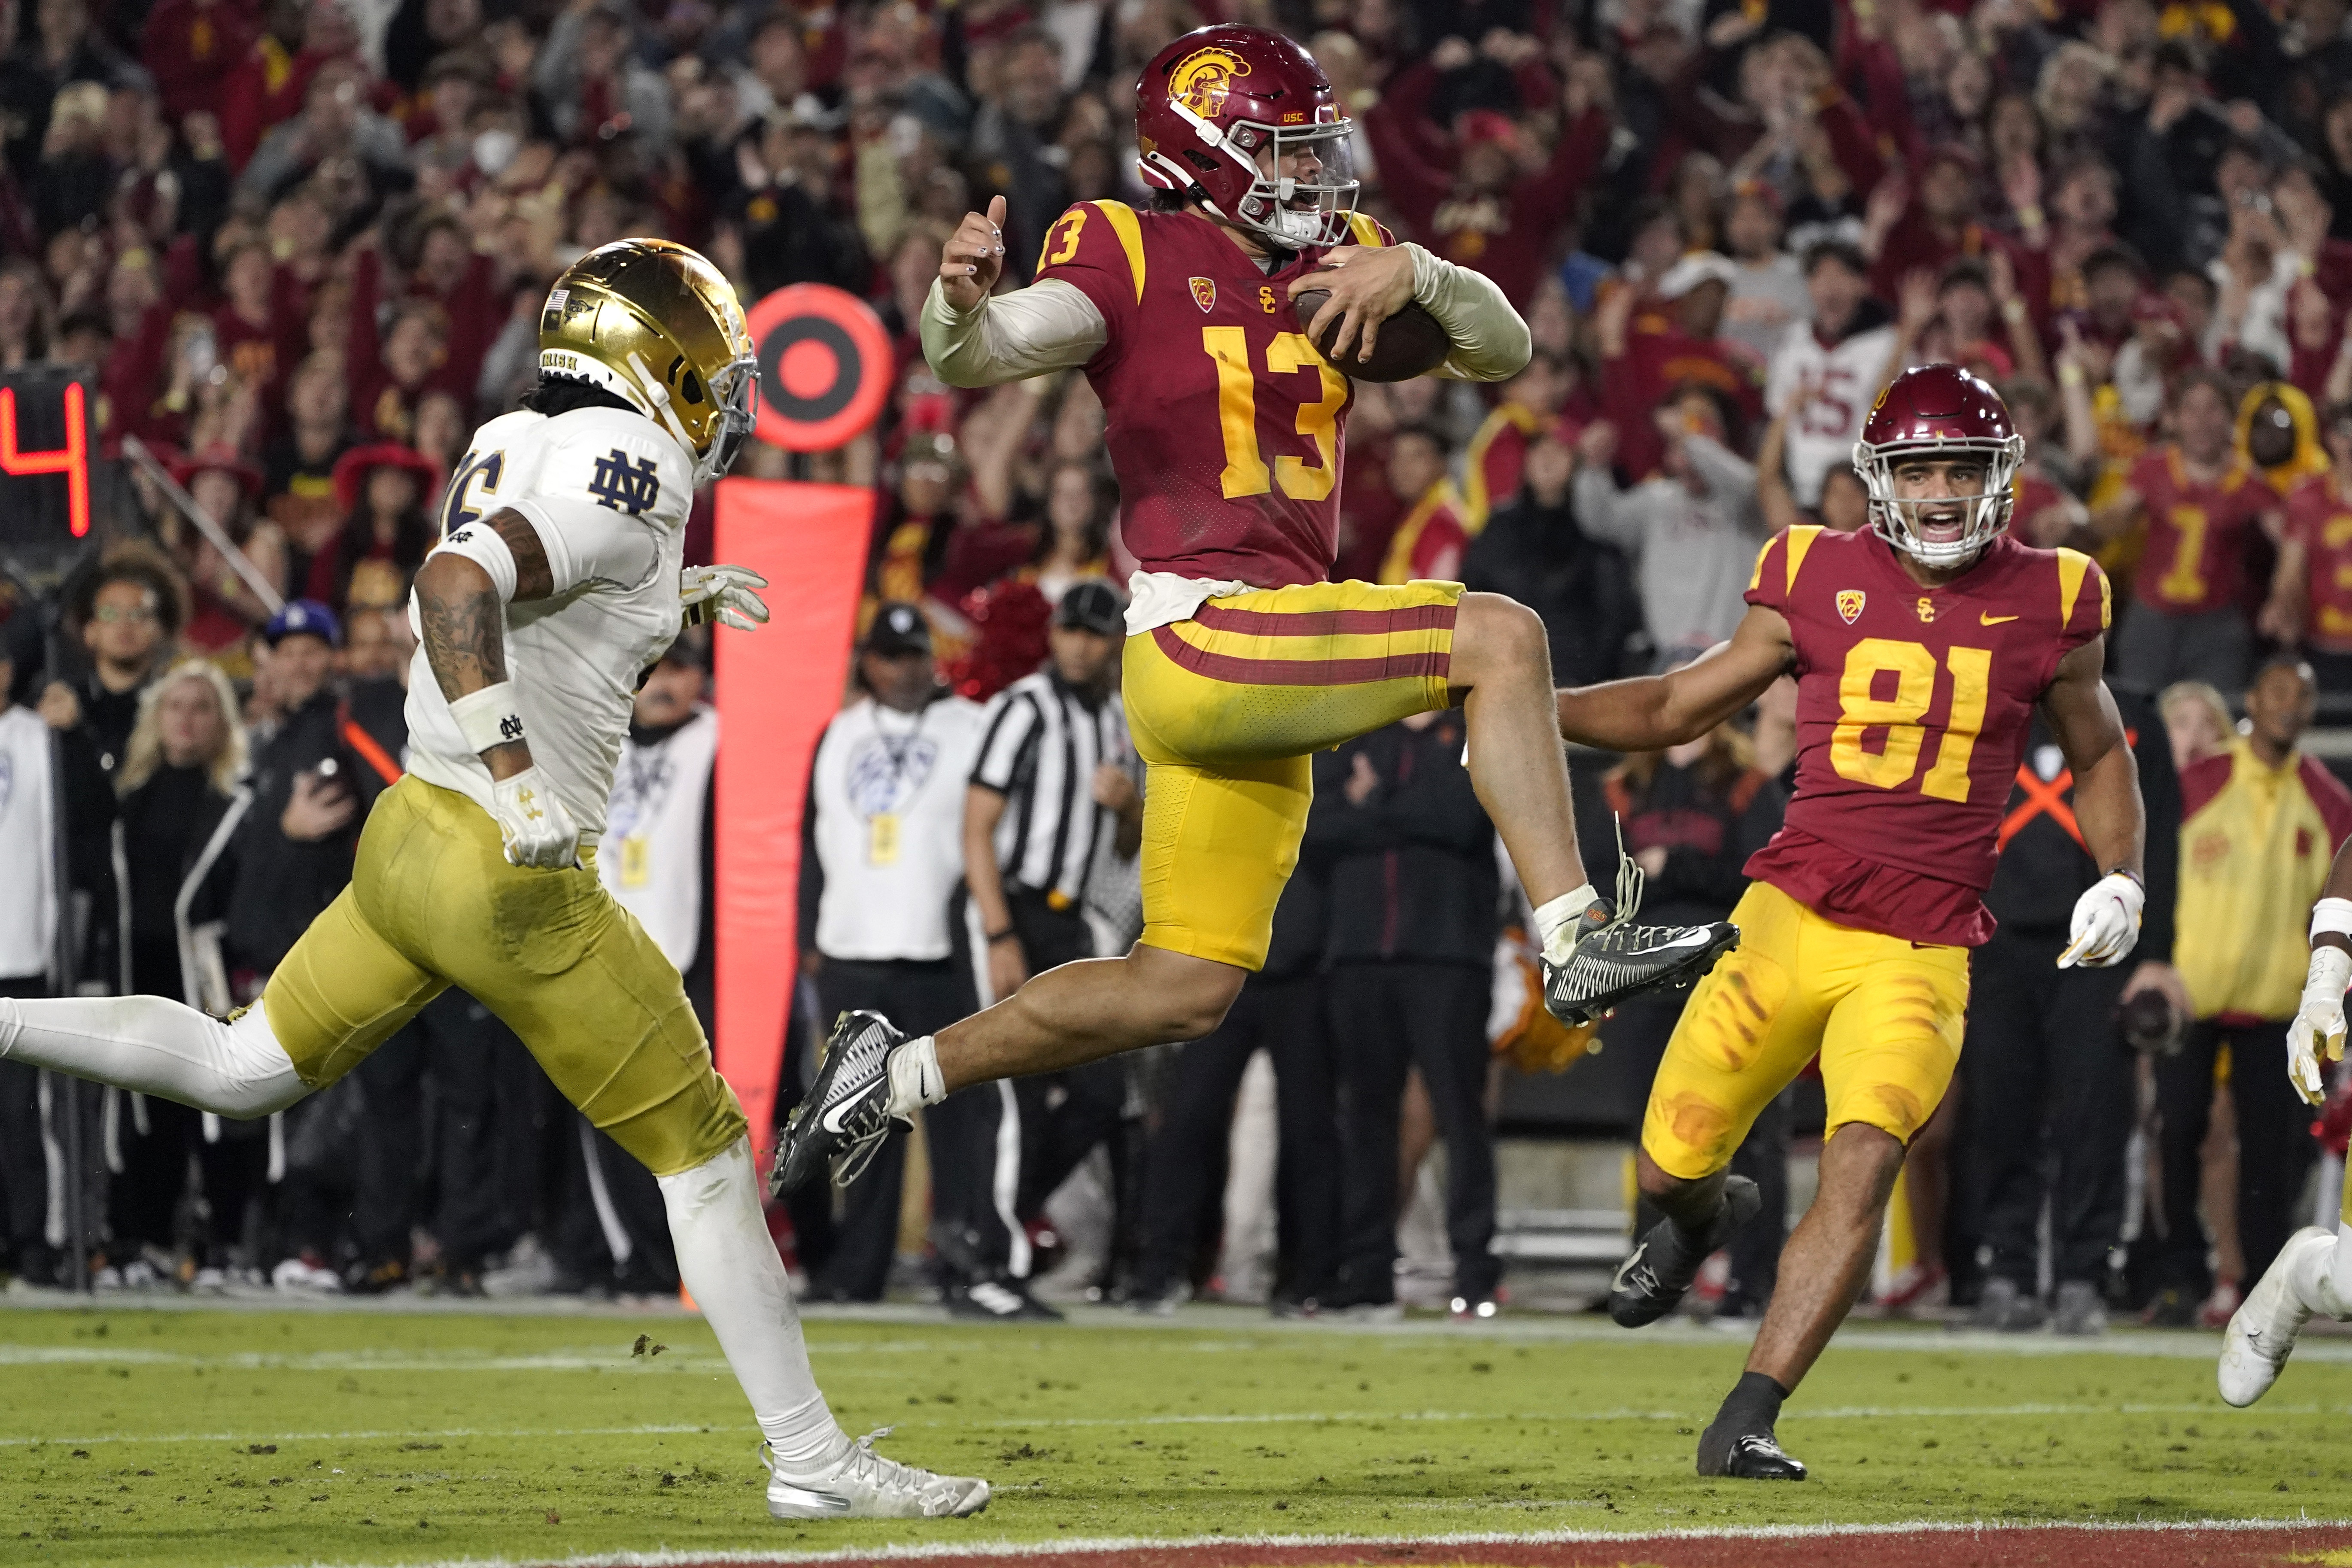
2198 1545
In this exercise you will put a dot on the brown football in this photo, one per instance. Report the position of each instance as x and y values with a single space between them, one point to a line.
1410 342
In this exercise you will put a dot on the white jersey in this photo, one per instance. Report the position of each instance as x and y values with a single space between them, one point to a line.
1844 382
608 491
885 821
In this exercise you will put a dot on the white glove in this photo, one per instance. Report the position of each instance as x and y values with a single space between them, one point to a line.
2317 1032
2106 923
539 833
722 594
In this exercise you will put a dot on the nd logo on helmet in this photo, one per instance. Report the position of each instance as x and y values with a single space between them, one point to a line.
1201 81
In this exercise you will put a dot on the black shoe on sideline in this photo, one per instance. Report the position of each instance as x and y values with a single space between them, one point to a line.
842 1121
1745 1456
998 1301
1654 1279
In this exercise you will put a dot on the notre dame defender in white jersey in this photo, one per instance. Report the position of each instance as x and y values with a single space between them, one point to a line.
556 583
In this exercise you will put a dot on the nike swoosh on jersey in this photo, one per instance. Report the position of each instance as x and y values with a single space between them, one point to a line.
1984 619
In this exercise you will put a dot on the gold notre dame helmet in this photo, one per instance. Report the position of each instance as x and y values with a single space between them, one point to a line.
655 323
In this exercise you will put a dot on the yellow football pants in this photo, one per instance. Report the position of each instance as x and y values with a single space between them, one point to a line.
433 903
1886 1014
1226 709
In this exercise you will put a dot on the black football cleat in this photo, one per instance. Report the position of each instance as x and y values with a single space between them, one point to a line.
1746 1456
847 1114
1653 1280
1613 959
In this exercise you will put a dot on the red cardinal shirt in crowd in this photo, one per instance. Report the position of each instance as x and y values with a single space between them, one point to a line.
2318 515
1913 707
2198 533
1225 425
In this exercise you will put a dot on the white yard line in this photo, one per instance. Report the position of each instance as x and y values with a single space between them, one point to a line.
951 1550
1270 1419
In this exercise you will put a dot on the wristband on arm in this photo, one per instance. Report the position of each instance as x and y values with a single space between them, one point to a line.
487 718
2332 916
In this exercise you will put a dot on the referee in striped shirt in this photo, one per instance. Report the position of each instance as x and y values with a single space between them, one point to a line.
1056 779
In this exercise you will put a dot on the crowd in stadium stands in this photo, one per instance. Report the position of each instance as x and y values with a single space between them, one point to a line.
297 250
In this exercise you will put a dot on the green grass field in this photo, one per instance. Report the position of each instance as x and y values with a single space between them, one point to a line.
199 1437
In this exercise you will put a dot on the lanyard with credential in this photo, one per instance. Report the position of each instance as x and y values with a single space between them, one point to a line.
882 827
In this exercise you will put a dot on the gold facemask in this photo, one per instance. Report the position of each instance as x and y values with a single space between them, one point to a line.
657 324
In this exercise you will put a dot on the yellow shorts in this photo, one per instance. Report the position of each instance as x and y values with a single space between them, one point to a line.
1885 1014
433 903
1227 707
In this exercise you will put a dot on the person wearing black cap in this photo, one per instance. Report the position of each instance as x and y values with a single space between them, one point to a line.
881 853
1055 777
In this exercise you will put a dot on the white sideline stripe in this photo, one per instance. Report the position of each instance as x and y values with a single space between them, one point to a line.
365 1361
1799 1415
1315 1418
951 1550
407 1433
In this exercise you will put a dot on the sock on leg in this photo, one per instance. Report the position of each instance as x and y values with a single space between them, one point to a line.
151 1045
730 1264
2318 1276
915 1078
1753 1406
1556 921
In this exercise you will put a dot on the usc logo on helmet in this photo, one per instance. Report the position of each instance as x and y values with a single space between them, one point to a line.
1201 81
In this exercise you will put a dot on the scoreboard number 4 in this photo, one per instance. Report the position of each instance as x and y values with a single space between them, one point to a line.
1914 666
72 460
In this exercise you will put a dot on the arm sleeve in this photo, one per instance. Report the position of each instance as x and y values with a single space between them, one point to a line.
1490 340
1050 325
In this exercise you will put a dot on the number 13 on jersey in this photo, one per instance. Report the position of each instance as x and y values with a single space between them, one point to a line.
1246 472
1913 667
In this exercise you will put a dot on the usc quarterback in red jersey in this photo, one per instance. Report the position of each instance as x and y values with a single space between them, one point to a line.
1920 647
1225 426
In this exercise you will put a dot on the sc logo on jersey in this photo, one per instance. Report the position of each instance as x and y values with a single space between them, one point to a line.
624 488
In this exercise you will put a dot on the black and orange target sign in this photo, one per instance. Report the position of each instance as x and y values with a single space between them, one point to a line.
825 366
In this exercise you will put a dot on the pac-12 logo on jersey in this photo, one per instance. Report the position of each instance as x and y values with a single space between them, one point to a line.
623 487
1849 604
1204 293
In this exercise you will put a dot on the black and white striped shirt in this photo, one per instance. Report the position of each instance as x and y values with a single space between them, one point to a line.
1040 746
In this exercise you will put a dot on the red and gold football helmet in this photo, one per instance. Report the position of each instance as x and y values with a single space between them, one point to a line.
1938 411
1211 102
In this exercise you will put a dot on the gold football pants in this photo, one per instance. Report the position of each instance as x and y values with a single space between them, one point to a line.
1884 1014
433 903
1227 707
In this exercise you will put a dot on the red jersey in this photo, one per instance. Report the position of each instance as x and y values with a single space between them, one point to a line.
2318 515
1913 707
2197 534
1225 425
1659 357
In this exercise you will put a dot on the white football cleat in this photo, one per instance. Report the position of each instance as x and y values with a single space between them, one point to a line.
862 1484
2261 1333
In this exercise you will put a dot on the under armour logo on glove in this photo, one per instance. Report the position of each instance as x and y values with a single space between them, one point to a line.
619 486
